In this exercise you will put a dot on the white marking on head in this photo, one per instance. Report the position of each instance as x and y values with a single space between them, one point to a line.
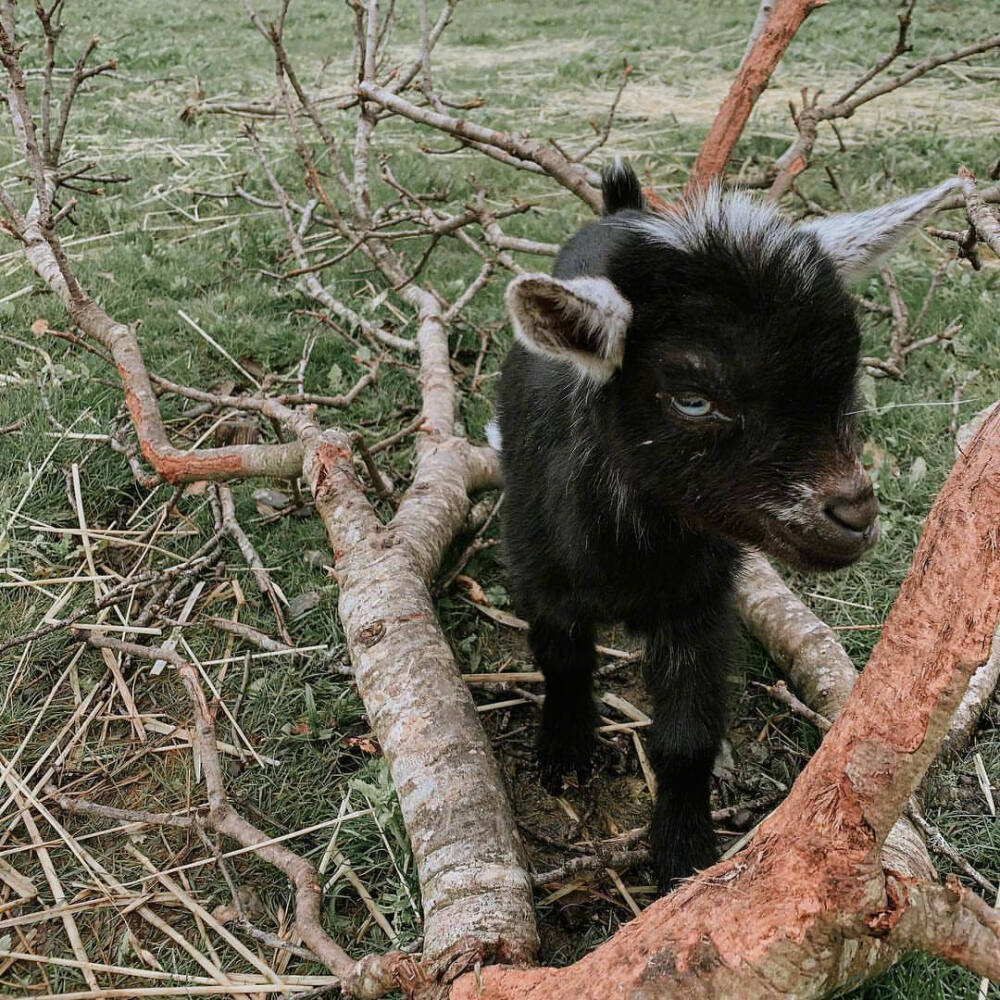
801 512
804 490
855 241
751 227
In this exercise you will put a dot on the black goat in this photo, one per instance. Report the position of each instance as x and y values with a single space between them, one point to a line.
683 385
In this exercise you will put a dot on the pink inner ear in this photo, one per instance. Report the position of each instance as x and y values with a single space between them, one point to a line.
582 320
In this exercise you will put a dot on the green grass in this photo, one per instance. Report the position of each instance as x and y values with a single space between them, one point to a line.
549 67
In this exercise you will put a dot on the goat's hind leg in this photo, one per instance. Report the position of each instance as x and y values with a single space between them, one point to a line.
566 656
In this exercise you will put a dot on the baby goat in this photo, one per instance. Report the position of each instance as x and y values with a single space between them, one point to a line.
682 386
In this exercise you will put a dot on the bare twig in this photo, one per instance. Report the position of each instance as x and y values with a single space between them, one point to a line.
72 804
811 114
980 215
780 692
939 845
373 975
965 242
591 863
603 132
570 175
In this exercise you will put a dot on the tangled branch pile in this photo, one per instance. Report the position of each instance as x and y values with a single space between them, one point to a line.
833 887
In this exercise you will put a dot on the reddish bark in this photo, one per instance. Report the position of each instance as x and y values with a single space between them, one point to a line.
173 464
751 80
807 905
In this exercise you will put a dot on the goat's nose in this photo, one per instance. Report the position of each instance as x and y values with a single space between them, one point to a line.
852 506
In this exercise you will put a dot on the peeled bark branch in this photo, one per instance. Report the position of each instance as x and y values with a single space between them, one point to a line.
980 690
788 913
951 922
752 78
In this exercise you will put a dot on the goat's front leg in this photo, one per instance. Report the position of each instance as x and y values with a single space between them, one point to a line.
566 737
685 673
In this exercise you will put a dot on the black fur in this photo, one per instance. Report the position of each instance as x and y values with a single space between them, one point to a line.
620 509
621 189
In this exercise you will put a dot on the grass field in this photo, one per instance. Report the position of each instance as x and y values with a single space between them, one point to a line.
157 245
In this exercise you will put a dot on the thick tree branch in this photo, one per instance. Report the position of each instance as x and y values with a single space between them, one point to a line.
949 921
816 664
811 880
752 78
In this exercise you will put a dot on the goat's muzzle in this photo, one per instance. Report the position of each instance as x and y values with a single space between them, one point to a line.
853 510
834 527
831 523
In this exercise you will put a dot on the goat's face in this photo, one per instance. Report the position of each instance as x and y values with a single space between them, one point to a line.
717 351
734 407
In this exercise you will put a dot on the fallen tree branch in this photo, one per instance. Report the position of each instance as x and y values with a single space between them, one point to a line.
989 195
476 899
265 584
591 863
369 977
806 649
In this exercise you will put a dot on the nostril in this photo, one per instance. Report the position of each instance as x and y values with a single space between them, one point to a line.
857 513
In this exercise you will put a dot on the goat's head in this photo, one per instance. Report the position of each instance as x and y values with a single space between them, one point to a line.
715 351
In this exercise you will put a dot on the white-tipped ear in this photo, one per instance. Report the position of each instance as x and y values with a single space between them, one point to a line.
582 320
857 241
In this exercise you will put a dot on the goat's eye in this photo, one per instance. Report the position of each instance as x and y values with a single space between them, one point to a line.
692 406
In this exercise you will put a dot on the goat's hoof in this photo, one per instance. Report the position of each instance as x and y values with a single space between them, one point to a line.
681 861
556 759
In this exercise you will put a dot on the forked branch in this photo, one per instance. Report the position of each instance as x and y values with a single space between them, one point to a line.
369 977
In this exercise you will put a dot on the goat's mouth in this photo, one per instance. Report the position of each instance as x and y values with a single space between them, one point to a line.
813 550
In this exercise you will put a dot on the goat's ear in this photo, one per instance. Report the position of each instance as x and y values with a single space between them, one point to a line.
858 241
582 320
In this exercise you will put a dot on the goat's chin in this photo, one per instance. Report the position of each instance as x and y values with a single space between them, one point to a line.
808 553
811 562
